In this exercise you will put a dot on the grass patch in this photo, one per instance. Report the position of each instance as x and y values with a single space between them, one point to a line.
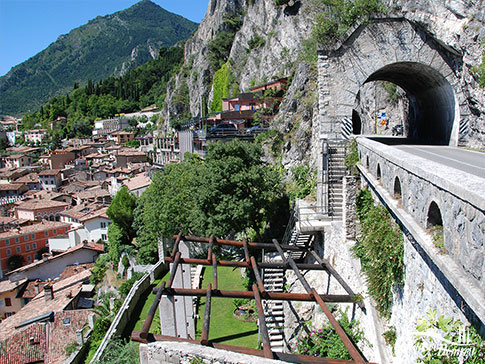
146 307
224 327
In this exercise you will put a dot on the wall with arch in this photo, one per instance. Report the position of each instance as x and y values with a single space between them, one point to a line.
431 197
398 51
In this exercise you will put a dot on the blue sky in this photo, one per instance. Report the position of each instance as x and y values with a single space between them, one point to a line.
29 26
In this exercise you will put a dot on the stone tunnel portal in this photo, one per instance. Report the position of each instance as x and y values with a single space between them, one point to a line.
431 98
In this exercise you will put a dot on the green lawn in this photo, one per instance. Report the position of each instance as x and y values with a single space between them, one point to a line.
146 307
224 327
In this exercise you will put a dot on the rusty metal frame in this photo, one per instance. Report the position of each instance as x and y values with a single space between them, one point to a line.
258 293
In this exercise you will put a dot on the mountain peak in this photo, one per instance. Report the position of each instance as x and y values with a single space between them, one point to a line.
105 46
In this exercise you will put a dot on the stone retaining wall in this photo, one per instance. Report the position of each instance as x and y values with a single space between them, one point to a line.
124 314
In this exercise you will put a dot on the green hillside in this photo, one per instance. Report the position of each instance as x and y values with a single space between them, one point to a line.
106 46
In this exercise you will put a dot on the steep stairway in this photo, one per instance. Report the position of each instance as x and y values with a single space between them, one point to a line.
336 173
274 281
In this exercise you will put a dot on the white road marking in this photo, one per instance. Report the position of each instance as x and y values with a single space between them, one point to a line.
451 159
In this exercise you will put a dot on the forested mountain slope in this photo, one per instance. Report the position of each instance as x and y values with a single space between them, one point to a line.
106 46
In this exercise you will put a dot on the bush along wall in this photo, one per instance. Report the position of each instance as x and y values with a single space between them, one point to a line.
381 251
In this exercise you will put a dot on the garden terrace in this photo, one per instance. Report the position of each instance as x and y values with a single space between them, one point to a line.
258 293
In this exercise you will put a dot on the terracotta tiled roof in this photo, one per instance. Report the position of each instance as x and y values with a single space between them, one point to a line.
91 246
98 213
36 228
41 204
30 291
50 172
7 286
10 186
139 181
64 291
29 178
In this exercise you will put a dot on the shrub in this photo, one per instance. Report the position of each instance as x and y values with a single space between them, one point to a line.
380 250
390 337
99 269
352 158
126 286
256 41
326 343
479 72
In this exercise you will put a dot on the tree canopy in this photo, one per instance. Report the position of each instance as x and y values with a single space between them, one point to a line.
230 192
120 211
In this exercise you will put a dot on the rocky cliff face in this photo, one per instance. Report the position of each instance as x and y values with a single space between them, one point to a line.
280 31
459 26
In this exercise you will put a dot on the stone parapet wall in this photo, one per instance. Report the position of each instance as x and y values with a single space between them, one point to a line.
170 352
124 314
459 196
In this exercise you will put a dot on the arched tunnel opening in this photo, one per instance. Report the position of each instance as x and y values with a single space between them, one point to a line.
431 101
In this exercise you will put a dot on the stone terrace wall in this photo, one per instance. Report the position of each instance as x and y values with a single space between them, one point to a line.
169 352
124 314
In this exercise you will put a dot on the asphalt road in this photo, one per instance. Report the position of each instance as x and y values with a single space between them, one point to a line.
462 159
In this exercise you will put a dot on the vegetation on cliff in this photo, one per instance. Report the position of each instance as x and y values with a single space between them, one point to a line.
381 251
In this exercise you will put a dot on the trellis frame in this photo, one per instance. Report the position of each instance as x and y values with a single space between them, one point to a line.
258 293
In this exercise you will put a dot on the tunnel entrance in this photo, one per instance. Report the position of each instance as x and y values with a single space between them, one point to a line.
393 51
431 100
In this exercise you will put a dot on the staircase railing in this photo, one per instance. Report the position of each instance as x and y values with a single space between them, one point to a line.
289 228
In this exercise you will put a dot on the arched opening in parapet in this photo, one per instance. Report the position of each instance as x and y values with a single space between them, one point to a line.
434 216
378 173
397 188
367 162
356 123
432 106
434 224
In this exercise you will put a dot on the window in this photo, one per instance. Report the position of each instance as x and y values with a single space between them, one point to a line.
1 303
17 249
55 231
29 258
66 321
104 237
34 245
16 240
27 247
26 237
32 236
46 233
7 241
237 107
103 225
8 302
9 252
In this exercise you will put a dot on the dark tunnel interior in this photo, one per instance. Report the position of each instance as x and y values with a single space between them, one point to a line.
431 98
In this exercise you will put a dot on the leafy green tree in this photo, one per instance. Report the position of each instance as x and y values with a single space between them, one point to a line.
120 211
231 191
115 242
167 206
238 189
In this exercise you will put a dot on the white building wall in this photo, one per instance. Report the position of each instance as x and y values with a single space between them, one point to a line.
95 230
